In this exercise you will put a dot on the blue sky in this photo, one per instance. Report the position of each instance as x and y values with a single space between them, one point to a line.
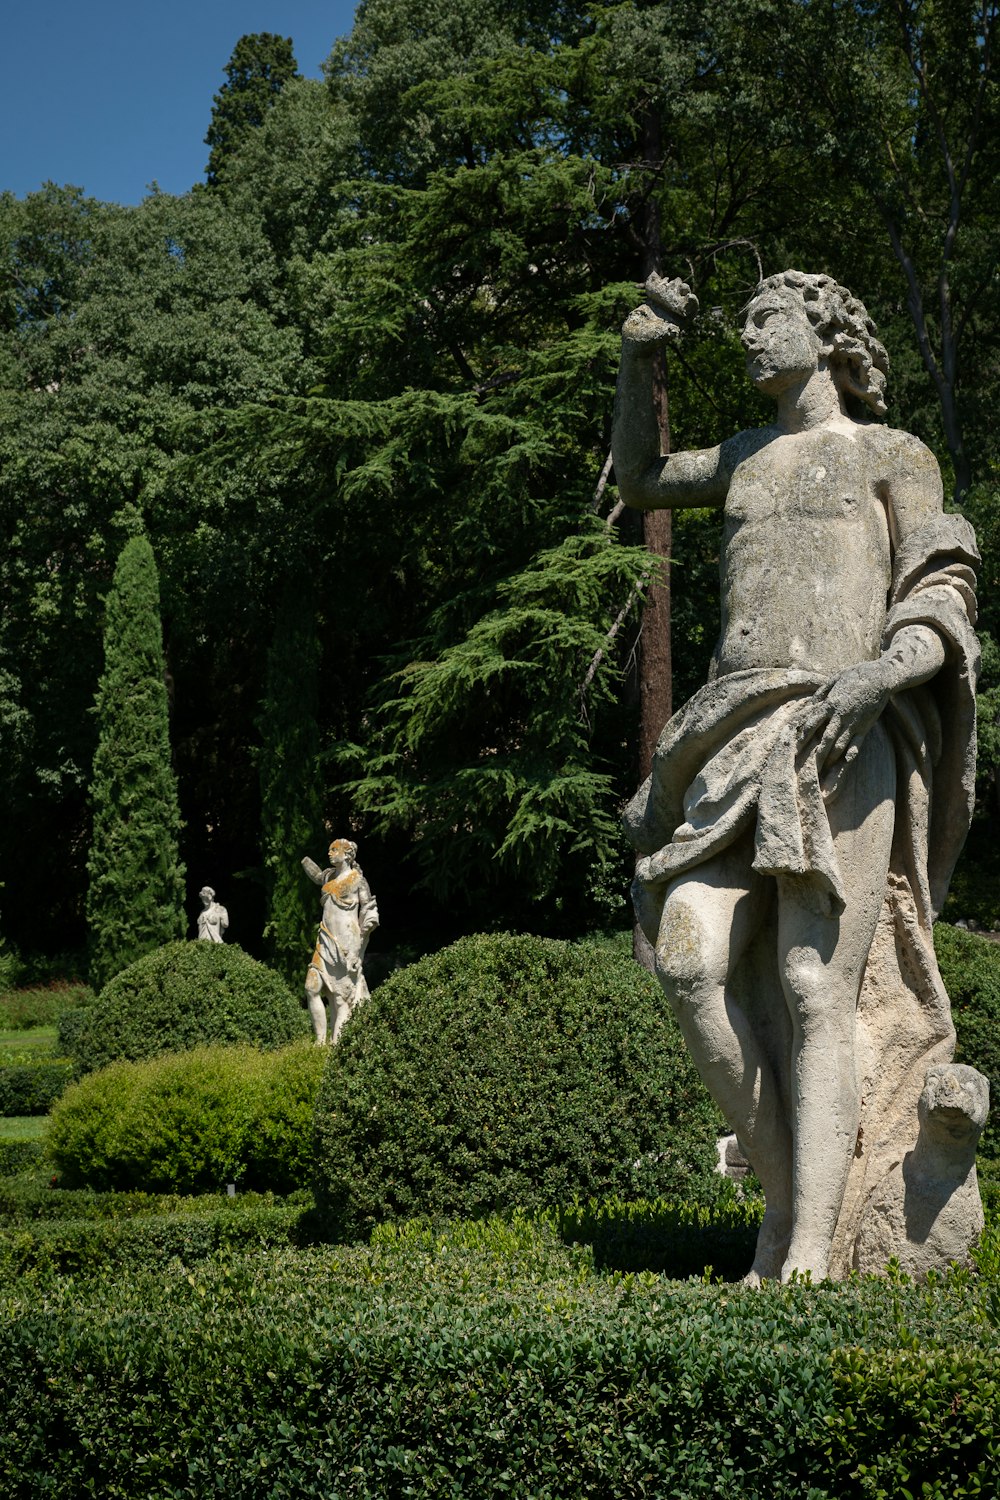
113 95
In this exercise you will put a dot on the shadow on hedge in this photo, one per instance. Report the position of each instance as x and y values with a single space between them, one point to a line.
670 1239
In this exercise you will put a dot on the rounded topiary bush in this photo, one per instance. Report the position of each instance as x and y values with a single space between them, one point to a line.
185 994
511 1070
970 968
190 1122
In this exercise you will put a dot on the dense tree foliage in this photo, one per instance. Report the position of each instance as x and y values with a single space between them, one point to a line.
377 355
135 893
290 786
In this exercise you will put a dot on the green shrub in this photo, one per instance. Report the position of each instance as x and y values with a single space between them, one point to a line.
10 969
970 968
70 1027
22 1010
187 994
30 1085
511 1070
35 1196
190 1121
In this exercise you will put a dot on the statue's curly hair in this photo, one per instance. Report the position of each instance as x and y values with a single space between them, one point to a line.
842 320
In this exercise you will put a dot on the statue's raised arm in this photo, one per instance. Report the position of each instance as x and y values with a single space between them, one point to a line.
645 479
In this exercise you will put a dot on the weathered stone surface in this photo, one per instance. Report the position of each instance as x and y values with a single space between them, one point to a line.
213 919
927 1211
805 809
350 916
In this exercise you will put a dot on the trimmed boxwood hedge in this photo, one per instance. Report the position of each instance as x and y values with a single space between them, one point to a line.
511 1070
16 1156
193 1231
185 994
190 1121
491 1361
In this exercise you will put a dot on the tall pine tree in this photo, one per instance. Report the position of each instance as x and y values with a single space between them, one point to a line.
135 898
290 795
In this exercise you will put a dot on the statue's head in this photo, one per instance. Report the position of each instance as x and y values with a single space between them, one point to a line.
845 332
342 849
206 895
954 1104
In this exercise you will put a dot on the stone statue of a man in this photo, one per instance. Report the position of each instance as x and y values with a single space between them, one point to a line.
350 916
805 808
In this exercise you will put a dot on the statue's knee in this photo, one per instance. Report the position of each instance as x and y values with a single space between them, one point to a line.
686 955
819 997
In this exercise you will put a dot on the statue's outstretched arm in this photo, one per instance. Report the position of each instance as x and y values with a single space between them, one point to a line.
646 480
312 870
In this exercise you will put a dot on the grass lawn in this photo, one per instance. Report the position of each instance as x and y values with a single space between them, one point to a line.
22 1127
38 1039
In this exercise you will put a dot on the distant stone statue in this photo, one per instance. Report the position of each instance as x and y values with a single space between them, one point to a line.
213 919
806 808
350 916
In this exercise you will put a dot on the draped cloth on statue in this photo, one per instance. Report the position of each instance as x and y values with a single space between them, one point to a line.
349 913
729 762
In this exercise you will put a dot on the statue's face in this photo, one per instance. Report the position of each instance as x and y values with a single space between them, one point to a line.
782 345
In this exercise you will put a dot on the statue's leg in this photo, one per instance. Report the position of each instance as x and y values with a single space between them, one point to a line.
342 1011
822 962
709 918
314 1001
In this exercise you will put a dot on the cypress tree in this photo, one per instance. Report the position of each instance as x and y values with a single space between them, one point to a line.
261 64
135 897
290 793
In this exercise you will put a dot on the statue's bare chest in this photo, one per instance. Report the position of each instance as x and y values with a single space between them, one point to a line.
816 477
806 559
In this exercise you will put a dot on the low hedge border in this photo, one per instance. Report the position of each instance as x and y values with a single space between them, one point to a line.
31 1085
93 1245
17 1157
471 1363
673 1239
41 1005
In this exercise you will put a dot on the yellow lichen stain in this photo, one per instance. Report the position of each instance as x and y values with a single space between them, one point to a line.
343 887
679 950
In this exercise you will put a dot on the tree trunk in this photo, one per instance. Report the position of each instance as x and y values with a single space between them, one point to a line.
655 668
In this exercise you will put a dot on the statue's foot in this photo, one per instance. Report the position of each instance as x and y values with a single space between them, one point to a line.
811 1261
772 1248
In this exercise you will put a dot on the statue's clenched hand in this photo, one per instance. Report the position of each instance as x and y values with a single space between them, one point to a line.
660 316
842 713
